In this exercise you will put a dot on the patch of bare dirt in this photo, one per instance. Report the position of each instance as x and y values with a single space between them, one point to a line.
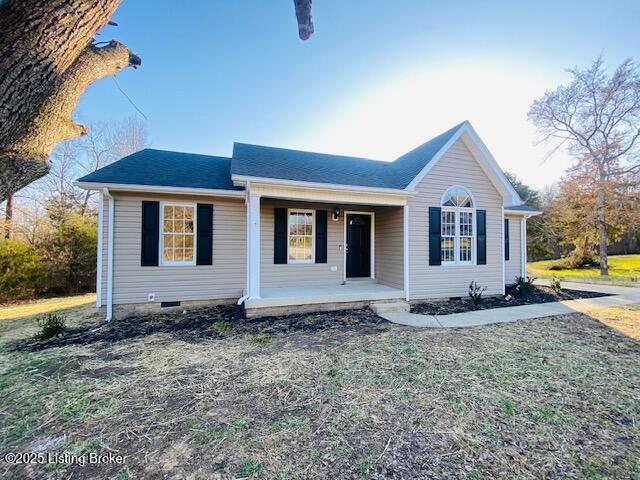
197 326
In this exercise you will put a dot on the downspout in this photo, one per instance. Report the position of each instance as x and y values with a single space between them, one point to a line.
246 251
99 252
112 206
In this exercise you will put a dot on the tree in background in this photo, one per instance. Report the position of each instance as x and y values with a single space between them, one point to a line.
108 142
69 252
54 222
596 117
574 212
21 270
538 245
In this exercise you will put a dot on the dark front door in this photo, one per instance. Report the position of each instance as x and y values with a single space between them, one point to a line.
358 245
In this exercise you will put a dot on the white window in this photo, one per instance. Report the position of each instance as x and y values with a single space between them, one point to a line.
178 241
457 245
301 236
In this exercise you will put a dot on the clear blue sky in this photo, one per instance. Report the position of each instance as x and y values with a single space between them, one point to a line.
376 79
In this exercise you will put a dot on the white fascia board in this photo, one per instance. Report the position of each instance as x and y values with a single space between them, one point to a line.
123 187
482 153
240 180
523 213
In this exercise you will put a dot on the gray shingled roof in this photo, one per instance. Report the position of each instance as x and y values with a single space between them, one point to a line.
281 163
166 169
410 164
175 169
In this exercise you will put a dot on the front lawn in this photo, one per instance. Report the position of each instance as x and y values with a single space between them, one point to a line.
623 270
333 395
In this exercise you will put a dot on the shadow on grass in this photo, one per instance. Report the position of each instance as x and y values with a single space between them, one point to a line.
214 323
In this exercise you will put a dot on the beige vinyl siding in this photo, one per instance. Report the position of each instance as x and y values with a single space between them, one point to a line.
389 244
456 167
224 279
287 275
513 266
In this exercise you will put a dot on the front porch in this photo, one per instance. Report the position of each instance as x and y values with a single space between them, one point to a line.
350 292
323 249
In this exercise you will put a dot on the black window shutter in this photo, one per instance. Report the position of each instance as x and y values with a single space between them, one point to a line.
506 239
280 235
204 229
434 236
150 234
481 237
321 236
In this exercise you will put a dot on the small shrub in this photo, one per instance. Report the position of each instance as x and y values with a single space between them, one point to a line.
51 325
524 285
221 326
475 293
262 339
555 285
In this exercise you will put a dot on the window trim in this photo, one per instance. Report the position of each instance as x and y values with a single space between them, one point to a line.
456 238
313 235
164 263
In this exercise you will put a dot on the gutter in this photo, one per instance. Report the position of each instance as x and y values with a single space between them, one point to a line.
111 217
123 187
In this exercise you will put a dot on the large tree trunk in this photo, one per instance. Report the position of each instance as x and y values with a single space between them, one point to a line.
602 224
46 63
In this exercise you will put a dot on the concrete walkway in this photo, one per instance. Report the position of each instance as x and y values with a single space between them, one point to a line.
619 296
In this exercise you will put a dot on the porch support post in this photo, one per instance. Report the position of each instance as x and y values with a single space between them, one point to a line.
253 243
405 248
523 247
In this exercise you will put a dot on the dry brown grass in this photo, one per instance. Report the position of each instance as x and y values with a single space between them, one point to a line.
44 305
623 319
550 398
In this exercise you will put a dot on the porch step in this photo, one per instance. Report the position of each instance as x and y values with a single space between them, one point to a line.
390 307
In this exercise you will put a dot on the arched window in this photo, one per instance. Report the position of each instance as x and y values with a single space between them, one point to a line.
457 197
457 227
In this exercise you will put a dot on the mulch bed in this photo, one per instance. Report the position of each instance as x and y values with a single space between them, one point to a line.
196 326
538 294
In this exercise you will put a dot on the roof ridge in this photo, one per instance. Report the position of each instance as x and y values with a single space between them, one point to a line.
179 153
313 153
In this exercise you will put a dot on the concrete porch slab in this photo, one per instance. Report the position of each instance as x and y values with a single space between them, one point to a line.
318 294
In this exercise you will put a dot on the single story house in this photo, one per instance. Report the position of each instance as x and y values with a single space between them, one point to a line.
287 230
